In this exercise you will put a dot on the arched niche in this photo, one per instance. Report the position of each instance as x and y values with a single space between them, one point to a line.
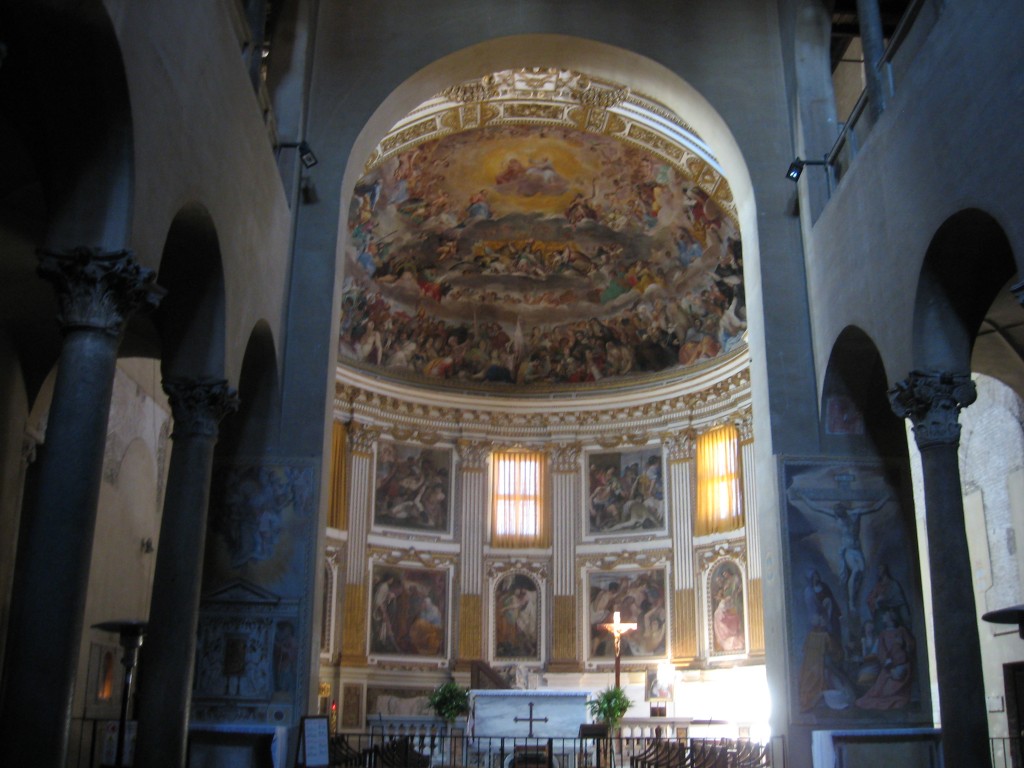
856 418
252 429
968 260
191 317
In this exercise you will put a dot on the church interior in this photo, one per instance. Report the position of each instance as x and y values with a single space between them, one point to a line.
349 349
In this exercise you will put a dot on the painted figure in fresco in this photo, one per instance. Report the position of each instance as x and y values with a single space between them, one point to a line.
639 598
848 519
888 595
516 618
727 617
892 687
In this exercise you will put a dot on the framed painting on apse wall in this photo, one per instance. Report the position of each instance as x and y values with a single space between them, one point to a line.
726 615
517 609
855 607
625 492
638 595
413 488
409 611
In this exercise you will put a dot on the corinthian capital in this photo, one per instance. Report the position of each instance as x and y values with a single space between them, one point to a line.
98 289
932 401
473 454
566 458
199 404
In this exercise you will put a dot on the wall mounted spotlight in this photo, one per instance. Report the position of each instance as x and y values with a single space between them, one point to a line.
305 153
797 167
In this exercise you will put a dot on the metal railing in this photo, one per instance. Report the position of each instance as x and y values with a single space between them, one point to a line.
859 123
461 750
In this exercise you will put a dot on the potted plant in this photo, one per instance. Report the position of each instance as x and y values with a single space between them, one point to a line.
609 707
449 701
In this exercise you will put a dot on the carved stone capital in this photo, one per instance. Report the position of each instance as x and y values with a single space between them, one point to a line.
473 454
198 405
98 289
932 401
565 458
361 438
680 446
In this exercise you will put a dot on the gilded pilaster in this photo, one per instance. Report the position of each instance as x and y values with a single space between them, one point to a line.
563 634
684 625
755 610
471 627
353 634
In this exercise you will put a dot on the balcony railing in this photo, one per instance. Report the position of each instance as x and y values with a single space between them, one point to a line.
891 67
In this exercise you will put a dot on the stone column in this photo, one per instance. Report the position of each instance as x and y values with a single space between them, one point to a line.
473 456
564 509
97 292
932 401
873 43
168 655
681 451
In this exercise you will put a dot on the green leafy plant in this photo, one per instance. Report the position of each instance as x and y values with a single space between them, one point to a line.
609 707
449 701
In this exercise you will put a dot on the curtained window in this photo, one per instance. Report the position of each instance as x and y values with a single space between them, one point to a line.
518 517
719 507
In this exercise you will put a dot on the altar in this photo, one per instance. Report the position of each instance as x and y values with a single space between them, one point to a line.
543 713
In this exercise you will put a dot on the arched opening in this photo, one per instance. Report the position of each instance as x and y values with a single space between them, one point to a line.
251 431
968 260
190 319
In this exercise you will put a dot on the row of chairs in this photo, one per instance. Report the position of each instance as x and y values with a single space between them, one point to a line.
702 754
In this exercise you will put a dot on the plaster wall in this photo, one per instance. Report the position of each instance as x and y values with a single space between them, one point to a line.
199 137
935 151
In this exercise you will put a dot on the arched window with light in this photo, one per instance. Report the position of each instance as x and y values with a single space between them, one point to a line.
719 501
518 516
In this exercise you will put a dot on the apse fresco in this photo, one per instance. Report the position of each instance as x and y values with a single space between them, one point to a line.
536 255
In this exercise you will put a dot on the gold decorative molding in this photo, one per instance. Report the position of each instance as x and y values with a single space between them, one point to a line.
471 627
376 413
755 605
684 626
353 628
563 630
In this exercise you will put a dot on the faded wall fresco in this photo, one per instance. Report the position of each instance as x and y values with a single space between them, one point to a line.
521 255
857 636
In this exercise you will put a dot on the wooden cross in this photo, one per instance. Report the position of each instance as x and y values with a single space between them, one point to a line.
618 629
531 720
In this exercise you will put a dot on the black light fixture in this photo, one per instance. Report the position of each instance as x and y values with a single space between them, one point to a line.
797 167
306 155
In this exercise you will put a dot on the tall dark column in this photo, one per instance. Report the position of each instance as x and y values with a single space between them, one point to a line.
873 43
97 292
932 401
166 668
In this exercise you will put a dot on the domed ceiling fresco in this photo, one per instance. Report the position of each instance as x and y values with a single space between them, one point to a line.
540 230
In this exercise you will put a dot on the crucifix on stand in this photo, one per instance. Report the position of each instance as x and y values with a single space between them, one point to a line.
618 629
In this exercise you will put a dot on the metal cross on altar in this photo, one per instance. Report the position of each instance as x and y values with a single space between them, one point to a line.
531 720
618 629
